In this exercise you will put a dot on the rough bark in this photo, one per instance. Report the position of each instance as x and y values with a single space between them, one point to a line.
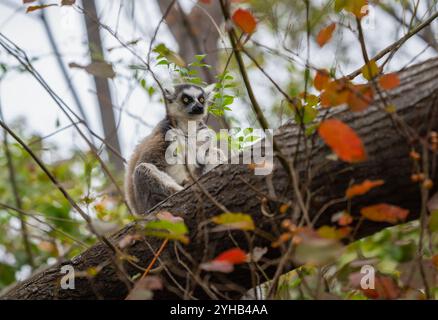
233 186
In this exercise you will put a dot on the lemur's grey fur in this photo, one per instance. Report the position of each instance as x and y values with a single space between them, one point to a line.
149 178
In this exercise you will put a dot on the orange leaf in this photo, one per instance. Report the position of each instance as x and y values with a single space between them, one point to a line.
233 256
389 81
360 97
345 220
244 20
384 213
322 78
335 94
325 35
39 7
435 261
342 140
328 232
284 237
364 187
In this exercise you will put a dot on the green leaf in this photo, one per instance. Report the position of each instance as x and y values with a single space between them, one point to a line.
151 91
311 130
252 138
143 83
169 55
248 131
168 230
200 57
306 115
173 227
163 62
312 100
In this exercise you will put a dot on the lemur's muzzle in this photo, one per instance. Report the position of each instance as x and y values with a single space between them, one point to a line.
197 109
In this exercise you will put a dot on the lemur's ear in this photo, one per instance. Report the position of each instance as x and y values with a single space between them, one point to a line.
169 93
209 90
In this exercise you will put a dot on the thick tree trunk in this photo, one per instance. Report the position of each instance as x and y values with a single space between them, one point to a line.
235 185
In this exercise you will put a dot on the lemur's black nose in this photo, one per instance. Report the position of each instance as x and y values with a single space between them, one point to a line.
197 109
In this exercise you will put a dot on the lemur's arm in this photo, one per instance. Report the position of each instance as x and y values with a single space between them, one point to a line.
151 186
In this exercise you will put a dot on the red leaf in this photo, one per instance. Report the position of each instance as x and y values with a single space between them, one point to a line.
244 20
389 81
225 261
325 35
233 256
342 140
384 213
345 220
362 188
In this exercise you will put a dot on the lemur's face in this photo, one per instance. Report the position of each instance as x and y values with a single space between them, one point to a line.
188 102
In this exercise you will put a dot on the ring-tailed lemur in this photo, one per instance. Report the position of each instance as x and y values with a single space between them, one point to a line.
150 178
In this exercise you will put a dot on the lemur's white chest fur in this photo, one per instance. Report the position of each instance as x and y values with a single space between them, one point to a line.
186 155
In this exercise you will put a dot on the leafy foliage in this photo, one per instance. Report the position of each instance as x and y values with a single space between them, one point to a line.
55 230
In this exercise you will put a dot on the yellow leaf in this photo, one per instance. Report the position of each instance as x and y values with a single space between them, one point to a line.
328 232
240 221
370 70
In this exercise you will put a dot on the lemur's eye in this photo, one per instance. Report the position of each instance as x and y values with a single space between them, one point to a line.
201 99
186 99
